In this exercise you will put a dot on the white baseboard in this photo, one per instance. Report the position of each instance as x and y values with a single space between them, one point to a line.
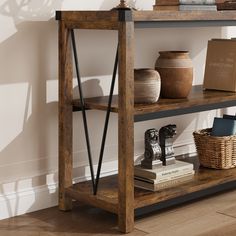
21 202
37 198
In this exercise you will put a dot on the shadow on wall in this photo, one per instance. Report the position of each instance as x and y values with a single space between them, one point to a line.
27 59
21 10
28 89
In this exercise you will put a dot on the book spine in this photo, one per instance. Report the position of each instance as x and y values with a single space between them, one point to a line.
166 178
197 2
173 182
174 172
172 177
166 184
163 174
197 8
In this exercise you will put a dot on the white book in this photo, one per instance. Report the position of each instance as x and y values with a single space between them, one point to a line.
166 178
197 2
163 185
164 171
197 8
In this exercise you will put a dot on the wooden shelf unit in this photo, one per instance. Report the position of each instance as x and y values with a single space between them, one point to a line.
117 194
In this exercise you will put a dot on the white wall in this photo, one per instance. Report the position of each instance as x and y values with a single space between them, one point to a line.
28 96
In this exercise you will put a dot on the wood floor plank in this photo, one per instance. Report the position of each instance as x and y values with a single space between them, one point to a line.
229 208
229 211
228 230
213 216
195 227
83 220
177 217
18 233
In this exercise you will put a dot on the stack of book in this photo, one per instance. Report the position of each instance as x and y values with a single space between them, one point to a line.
163 177
186 5
197 5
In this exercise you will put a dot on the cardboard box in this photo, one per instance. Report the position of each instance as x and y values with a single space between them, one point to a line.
220 70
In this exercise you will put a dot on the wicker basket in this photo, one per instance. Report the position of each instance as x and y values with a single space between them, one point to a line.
215 152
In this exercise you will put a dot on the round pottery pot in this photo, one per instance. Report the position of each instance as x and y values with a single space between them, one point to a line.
147 86
176 71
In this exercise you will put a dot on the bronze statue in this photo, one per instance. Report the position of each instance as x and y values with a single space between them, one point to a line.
166 134
152 152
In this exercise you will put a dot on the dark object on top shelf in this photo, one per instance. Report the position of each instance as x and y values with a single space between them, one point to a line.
152 152
227 5
166 135
123 6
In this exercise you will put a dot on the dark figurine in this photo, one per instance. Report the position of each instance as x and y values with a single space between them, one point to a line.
152 152
166 134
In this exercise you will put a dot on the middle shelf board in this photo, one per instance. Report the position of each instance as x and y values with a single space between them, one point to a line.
205 182
197 101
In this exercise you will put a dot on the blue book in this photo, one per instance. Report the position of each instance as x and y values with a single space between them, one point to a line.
223 127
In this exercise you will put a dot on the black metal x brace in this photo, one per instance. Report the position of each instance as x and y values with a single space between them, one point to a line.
95 182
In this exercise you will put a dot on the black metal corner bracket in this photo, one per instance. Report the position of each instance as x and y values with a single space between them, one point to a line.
58 15
125 15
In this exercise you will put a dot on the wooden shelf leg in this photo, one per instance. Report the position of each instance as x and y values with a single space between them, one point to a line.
65 116
126 123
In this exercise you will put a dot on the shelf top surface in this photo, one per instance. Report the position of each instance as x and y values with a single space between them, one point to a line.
204 178
198 99
148 16
184 15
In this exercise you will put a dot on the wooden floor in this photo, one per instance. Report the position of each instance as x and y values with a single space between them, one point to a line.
214 216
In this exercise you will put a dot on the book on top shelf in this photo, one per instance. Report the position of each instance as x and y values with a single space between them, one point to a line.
165 8
167 2
197 2
200 7
164 171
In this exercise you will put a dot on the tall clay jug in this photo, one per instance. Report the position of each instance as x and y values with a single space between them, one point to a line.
176 71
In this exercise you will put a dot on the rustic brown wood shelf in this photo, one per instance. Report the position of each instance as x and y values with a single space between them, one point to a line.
108 195
198 100
110 19
117 194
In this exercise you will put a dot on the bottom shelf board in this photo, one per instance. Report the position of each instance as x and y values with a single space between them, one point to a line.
107 196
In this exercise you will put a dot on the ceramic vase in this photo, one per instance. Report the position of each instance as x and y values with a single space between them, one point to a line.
147 86
176 71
